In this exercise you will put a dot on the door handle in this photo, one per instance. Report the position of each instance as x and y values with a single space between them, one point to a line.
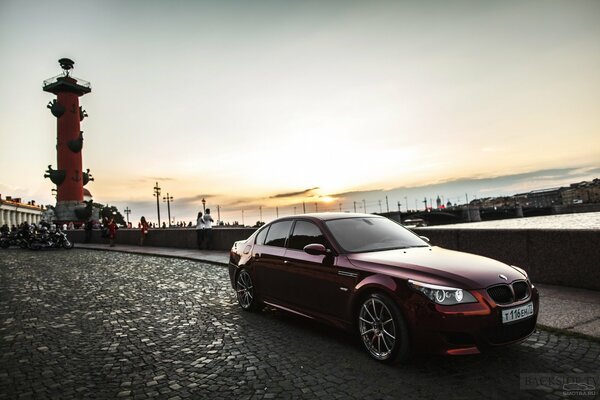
286 262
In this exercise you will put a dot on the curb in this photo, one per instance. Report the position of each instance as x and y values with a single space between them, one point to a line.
141 253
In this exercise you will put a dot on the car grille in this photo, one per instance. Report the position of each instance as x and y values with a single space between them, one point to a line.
521 290
503 294
512 332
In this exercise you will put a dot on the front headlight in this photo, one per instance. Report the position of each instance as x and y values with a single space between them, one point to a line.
443 295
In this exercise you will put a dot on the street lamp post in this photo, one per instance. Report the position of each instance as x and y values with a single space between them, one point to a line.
168 199
204 205
127 211
157 195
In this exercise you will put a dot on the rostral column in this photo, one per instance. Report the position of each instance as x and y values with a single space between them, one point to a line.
69 176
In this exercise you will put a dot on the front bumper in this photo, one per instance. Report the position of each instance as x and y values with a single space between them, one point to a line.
468 328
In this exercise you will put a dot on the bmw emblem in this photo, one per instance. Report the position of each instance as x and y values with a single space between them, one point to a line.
503 277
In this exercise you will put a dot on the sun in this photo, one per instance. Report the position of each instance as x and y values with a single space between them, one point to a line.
327 199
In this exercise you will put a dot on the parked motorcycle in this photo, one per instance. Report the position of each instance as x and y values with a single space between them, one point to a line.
16 237
49 238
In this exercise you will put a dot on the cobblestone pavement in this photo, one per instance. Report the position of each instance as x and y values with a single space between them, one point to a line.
89 324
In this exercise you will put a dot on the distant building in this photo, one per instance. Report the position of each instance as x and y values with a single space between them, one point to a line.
582 192
544 197
15 212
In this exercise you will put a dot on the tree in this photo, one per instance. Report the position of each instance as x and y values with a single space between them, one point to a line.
111 211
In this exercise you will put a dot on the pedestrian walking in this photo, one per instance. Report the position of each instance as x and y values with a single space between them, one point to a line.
200 230
208 221
143 230
112 231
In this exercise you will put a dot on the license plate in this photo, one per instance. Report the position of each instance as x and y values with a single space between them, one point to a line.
517 313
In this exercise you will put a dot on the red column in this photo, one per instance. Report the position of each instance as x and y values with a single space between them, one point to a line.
68 129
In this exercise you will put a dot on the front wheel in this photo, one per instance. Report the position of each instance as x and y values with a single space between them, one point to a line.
244 288
67 244
382 329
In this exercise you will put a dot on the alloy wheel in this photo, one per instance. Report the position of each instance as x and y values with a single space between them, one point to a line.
377 328
245 290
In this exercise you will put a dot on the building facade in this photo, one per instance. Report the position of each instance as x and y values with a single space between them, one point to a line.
14 212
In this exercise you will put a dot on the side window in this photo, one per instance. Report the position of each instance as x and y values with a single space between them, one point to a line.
260 237
278 232
306 233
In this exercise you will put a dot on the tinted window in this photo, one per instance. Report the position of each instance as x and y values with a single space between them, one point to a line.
371 234
305 233
278 232
260 237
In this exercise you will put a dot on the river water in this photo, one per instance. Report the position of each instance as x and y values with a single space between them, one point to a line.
560 221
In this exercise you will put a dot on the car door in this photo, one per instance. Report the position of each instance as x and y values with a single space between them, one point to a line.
268 261
314 280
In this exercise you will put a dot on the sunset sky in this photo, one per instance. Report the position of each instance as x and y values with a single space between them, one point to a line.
272 103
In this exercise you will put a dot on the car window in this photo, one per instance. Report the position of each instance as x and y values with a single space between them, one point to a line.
372 234
278 233
260 237
306 233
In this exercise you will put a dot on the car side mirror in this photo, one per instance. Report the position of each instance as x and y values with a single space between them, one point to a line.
316 249
425 238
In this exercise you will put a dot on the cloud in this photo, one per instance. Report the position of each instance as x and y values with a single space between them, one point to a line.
158 178
293 194
197 198
356 193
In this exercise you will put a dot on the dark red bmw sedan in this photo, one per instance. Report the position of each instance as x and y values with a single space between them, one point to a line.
370 274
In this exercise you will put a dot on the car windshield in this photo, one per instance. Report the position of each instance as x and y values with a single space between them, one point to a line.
357 235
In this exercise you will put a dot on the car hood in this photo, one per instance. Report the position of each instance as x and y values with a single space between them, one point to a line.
437 266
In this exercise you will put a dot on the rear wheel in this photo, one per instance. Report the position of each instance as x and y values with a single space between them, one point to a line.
244 288
382 329
34 246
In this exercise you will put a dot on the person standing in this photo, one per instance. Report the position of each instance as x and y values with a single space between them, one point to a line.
200 230
112 231
143 230
89 225
208 221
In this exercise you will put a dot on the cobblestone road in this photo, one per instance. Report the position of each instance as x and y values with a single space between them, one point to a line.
88 324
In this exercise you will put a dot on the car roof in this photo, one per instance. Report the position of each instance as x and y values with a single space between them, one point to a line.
327 216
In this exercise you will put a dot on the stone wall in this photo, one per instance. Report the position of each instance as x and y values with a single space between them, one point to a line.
223 238
559 257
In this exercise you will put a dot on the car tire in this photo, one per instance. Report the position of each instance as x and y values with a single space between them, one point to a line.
245 291
382 329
